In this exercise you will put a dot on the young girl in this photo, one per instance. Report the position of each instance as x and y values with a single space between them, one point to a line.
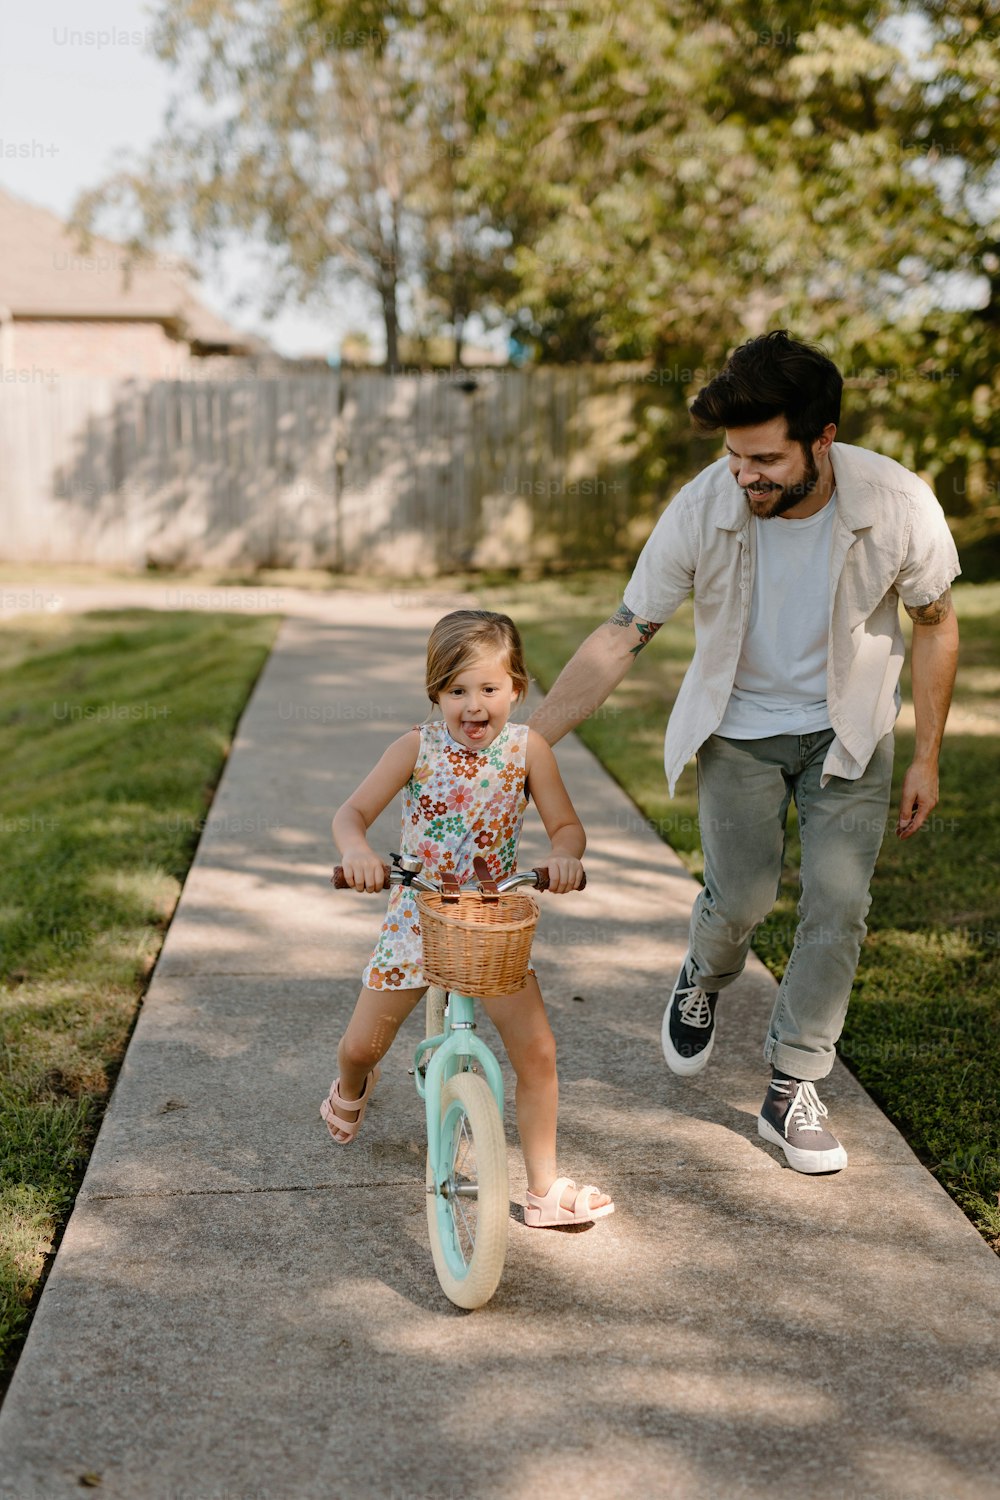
466 782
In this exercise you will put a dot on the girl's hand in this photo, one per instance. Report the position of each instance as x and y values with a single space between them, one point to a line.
364 870
565 873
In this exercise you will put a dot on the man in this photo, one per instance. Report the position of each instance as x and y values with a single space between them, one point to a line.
798 550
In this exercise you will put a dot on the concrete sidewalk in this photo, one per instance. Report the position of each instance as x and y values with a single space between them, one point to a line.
241 1309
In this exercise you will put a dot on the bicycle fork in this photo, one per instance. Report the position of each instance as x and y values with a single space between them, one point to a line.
457 1050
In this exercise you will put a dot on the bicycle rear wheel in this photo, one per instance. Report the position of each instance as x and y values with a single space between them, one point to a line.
467 1222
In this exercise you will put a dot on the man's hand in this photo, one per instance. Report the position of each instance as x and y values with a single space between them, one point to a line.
918 798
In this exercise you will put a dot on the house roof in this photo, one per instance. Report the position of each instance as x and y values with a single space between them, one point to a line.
44 274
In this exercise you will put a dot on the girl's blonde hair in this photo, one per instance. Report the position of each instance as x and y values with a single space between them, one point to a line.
460 637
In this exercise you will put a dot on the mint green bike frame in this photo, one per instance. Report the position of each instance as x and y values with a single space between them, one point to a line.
456 1050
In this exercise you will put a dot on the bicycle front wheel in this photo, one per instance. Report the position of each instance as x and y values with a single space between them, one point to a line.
434 1009
468 1219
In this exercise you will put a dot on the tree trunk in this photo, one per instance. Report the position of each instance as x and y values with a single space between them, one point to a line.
391 318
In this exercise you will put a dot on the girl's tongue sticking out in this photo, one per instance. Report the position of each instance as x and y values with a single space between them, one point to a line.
477 701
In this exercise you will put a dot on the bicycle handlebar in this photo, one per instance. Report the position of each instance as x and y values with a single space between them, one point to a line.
539 879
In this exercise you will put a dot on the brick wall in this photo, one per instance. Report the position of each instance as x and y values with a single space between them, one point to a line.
47 349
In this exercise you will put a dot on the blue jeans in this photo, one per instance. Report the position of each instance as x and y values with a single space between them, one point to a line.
744 790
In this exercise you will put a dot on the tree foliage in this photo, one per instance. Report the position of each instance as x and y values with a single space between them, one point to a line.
653 181
674 177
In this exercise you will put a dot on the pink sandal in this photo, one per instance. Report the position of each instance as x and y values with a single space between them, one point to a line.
547 1212
348 1128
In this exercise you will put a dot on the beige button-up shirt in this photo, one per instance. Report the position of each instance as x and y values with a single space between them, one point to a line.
890 542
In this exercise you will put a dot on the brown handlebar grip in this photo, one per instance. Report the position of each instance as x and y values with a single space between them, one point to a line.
542 880
340 884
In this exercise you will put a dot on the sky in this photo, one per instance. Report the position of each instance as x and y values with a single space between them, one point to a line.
78 86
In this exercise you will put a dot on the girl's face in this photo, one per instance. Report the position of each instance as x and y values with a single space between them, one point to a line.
478 700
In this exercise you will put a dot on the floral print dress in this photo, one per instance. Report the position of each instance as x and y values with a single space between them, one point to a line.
458 803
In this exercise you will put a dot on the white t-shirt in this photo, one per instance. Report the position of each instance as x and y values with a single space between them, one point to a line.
780 685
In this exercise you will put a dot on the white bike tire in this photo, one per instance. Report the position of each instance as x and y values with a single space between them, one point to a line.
435 1003
476 1284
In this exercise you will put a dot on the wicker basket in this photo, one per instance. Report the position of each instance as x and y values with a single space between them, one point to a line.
477 947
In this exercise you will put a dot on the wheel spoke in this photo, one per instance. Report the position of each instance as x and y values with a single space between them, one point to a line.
464 1138
464 1166
470 1234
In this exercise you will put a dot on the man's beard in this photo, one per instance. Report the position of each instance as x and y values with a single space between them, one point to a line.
785 497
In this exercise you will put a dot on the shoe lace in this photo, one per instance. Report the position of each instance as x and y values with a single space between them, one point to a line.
693 1007
807 1109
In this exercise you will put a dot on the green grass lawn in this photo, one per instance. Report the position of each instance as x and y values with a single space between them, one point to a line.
923 1030
114 729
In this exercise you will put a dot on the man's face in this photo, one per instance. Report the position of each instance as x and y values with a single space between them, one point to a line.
774 472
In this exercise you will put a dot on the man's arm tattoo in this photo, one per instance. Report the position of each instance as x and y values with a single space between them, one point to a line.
647 629
933 613
624 617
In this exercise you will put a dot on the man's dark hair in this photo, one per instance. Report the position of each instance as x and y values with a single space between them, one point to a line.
772 376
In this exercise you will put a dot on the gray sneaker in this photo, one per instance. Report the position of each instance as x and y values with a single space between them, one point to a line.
790 1118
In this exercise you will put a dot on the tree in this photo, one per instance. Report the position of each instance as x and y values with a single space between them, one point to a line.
651 181
674 177
319 140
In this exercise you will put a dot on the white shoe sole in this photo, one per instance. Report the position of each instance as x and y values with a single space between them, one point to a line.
803 1161
685 1066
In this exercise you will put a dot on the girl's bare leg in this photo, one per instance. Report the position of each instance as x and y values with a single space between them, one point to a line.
370 1033
527 1036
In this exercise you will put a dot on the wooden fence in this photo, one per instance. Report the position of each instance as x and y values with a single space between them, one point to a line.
356 471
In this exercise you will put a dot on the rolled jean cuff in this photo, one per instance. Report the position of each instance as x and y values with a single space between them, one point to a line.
810 1067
